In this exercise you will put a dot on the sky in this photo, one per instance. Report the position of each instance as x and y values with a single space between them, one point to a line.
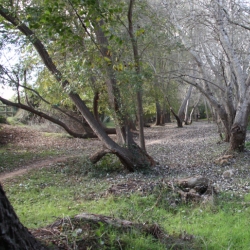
6 92
8 58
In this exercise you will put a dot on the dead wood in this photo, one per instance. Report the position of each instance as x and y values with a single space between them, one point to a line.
152 229
194 188
224 160
99 155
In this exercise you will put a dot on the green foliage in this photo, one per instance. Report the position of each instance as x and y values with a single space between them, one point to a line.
107 165
14 121
3 119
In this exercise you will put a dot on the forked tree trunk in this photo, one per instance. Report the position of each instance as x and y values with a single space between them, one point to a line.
132 157
179 122
13 235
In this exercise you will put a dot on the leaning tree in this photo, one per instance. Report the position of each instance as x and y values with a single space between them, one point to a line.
38 21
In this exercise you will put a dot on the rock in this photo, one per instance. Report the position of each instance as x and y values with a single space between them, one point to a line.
228 173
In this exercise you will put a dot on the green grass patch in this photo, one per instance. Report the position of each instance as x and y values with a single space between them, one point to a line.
67 189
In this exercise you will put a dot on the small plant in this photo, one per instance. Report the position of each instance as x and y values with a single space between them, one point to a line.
247 145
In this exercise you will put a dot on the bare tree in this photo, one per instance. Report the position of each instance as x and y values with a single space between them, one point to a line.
220 53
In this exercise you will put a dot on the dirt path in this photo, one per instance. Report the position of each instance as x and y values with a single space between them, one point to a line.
34 165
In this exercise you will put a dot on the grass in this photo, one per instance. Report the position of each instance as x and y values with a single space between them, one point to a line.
40 197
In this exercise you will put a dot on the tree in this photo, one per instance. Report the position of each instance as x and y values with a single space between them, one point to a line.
13 235
220 58
132 156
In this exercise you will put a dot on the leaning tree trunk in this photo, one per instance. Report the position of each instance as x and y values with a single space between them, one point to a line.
179 122
13 235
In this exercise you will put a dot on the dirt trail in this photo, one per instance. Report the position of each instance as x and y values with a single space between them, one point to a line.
35 165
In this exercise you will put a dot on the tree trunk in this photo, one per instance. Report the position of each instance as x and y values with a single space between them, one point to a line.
138 71
206 110
186 114
239 128
181 112
179 122
13 235
158 113
131 157
167 117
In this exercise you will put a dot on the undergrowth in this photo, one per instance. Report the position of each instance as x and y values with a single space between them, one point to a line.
66 189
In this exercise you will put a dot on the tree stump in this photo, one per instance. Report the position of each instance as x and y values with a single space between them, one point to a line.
194 188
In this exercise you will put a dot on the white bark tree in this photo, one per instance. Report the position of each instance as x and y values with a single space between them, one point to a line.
220 53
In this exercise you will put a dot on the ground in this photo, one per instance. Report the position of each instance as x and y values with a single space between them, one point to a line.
180 152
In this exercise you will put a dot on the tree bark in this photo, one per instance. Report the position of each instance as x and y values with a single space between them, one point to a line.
13 235
181 112
179 122
158 114
138 70
239 128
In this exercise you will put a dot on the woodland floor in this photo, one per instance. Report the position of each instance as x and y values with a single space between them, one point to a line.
180 152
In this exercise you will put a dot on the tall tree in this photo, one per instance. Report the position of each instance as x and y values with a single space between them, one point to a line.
132 157
221 58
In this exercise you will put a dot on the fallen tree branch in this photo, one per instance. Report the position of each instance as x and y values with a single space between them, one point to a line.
99 155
